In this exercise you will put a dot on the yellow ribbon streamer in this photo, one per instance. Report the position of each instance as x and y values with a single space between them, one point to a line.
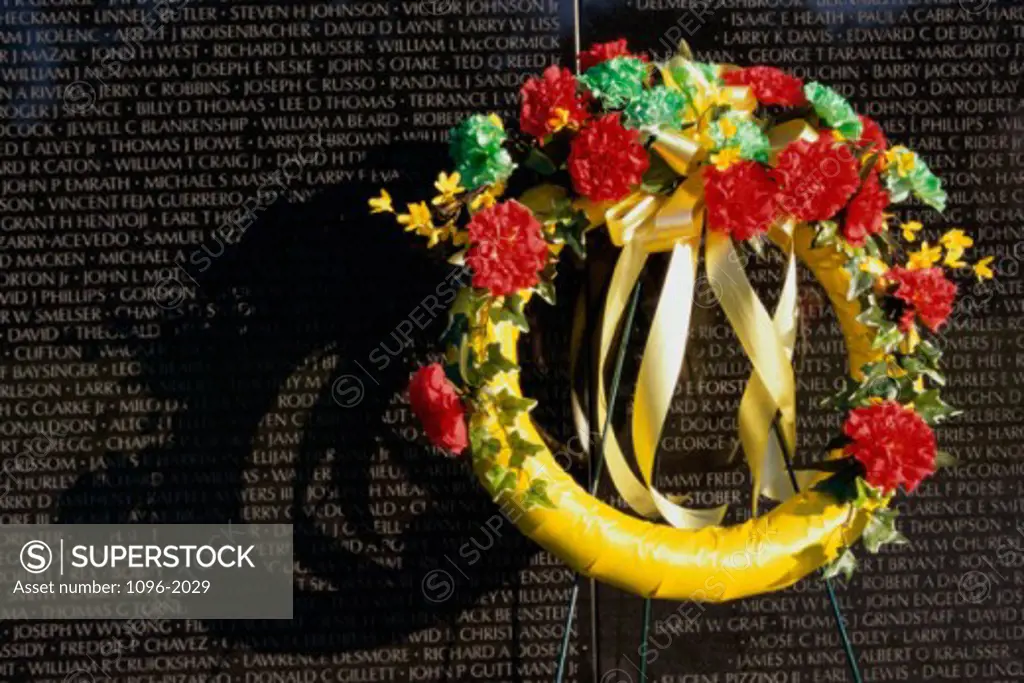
645 223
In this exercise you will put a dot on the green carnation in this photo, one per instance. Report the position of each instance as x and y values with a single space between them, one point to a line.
617 81
693 77
834 110
476 149
735 130
659 106
908 173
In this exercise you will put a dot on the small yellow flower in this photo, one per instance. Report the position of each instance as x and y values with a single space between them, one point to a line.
953 259
837 136
873 265
381 203
726 158
981 269
447 187
903 158
727 127
956 239
417 218
434 235
925 258
484 200
496 120
910 230
559 119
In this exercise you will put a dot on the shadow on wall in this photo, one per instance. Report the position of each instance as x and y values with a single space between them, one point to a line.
307 279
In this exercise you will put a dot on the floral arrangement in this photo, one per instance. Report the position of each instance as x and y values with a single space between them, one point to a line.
591 141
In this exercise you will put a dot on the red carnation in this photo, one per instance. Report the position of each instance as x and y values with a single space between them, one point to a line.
871 133
770 85
740 200
506 248
893 443
550 102
602 52
815 178
865 213
927 294
606 160
437 405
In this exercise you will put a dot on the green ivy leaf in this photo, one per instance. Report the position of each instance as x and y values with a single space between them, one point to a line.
521 449
930 406
918 366
881 530
945 459
571 232
537 494
510 311
458 326
493 364
510 406
887 337
873 316
482 444
844 565
539 162
860 282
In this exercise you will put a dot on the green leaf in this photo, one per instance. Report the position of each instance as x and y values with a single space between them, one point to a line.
844 565
510 406
495 474
929 352
482 445
659 177
930 406
458 326
860 282
537 494
887 337
539 162
881 530
572 233
918 366
521 449
945 459
873 316
545 289
510 311
493 364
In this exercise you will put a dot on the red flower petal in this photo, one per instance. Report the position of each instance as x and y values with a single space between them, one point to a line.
551 99
770 85
740 200
606 160
437 405
927 293
893 443
865 214
816 178
507 248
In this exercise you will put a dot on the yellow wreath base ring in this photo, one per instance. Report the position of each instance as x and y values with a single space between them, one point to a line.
712 564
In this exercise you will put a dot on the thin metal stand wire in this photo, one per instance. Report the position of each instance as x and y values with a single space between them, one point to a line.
643 640
844 637
620 361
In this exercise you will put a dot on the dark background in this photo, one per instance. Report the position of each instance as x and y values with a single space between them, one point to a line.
250 384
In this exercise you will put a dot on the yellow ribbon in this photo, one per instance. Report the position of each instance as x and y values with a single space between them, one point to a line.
643 224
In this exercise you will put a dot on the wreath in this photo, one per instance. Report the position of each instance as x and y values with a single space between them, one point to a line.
687 158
